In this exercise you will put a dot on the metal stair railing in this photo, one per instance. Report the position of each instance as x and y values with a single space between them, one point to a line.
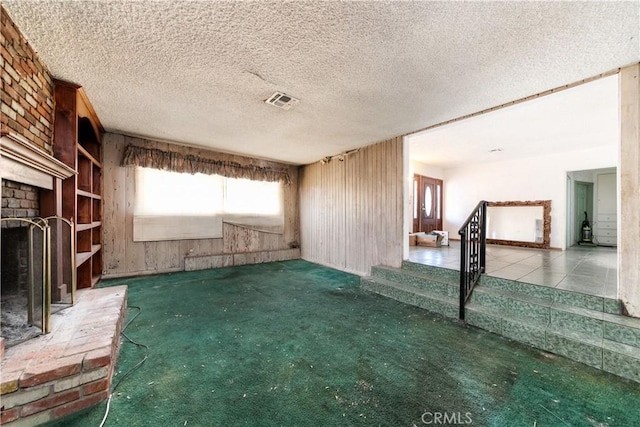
473 249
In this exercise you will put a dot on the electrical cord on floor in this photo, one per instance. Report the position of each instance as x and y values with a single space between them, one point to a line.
133 369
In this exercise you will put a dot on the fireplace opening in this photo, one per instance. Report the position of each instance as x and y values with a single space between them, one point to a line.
22 282
37 265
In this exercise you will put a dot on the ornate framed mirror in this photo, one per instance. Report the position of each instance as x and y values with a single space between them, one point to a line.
518 223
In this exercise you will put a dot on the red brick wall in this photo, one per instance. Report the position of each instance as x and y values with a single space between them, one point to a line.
18 201
27 88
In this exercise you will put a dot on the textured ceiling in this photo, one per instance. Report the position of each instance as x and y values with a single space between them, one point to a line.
197 72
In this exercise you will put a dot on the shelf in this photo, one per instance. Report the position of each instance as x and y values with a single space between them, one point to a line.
85 153
83 213
82 257
82 227
88 139
96 236
96 266
85 169
83 275
89 194
78 143
83 241
96 182
97 210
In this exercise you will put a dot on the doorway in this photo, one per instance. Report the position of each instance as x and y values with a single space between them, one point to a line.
427 204
594 192
583 207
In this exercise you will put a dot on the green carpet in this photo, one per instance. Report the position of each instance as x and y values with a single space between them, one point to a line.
297 344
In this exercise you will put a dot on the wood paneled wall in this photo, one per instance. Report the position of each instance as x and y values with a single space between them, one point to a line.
122 256
351 215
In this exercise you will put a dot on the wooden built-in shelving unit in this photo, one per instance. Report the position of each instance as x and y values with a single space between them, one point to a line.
78 143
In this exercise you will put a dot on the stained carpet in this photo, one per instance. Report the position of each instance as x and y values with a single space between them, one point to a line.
295 344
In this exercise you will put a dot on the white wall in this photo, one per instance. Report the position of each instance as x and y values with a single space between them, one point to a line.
535 178
425 170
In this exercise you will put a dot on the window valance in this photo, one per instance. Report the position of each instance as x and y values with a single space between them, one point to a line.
176 162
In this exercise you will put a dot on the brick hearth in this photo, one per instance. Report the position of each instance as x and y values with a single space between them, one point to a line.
69 369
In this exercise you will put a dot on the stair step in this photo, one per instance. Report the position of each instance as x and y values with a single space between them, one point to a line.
539 311
581 327
480 313
427 282
622 329
412 295
446 273
611 356
559 296
558 316
621 359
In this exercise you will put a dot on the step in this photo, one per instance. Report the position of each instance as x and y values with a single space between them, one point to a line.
539 311
584 328
445 273
536 311
428 282
622 329
611 356
602 340
412 295
621 359
560 296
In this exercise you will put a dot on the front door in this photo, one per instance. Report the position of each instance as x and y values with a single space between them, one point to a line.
427 199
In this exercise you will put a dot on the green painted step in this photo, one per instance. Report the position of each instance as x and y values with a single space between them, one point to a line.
435 272
431 283
560 296
591 349
412 295
585 328
557 314
610 342
539 311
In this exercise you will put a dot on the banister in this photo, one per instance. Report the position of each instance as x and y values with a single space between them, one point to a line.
473 247
473 212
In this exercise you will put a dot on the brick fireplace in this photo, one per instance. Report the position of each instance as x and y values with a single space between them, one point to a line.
70 368
28 175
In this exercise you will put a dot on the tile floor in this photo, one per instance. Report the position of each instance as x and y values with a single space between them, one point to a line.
590 270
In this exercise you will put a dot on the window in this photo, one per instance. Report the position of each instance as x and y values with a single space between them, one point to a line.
415 199
175 206
164 193
428 201
243 196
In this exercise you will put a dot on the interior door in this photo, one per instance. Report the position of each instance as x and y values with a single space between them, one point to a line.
583 203
427 209
605 226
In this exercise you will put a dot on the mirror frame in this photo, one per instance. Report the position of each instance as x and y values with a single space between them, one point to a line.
546 224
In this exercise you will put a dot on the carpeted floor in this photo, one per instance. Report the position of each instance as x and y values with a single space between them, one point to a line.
296 344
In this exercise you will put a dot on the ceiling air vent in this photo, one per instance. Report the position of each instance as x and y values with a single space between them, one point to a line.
282 100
